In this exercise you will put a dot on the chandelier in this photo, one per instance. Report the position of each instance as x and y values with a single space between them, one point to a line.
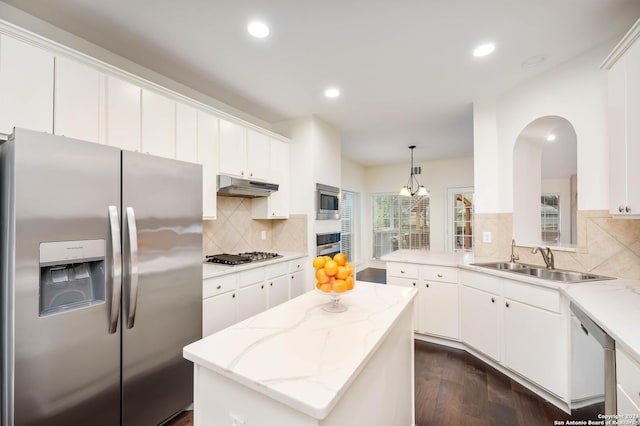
413 187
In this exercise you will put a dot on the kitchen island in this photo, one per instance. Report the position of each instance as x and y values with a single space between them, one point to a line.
297 364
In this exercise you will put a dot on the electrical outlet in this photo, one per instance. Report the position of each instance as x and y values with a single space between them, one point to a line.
263 235
486 237
235 420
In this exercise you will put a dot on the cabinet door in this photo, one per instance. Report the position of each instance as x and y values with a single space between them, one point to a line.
407 282
77 101
208 157
26 86
251 300
258 148
438 306
233 149
617 137
280 174
158 125
633 129
535 345
296 284
278 290
186 133
219 312
123 114
479 320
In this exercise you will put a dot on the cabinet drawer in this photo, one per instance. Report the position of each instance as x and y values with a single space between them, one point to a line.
540 297
277 270
480 281
627 408
218 285
403 282
439 273
628 375
251 276
405 270
297 265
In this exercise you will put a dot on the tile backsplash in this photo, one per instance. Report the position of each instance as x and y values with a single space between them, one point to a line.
606 246
234 231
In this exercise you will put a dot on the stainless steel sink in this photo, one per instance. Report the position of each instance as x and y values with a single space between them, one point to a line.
558 275
508 266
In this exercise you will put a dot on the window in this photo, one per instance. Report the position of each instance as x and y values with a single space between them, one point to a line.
550 218
399 223
349 203
460 219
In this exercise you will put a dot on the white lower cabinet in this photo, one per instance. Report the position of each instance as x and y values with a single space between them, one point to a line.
252 300
628 385
480 320
296 284
438 309
277 290
535 345
219 312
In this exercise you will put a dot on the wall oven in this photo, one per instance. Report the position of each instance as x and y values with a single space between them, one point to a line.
327 202
328 244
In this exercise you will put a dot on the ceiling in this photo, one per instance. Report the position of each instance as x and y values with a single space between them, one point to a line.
404 68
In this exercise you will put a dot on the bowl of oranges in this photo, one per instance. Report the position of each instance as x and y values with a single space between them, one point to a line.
334 277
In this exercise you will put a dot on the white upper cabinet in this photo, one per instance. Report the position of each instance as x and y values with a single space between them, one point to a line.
208 157
258 148
624 128
26 86
158 125
78 102
186 133
123 114
276 205
233 149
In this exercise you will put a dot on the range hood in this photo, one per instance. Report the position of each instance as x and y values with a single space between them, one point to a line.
229 186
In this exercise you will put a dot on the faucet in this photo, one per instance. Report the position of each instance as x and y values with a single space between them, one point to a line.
547 255
513 257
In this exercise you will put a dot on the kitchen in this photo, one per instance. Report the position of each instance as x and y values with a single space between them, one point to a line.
496 122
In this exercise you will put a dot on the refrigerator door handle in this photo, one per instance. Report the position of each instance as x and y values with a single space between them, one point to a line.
116 274
131 259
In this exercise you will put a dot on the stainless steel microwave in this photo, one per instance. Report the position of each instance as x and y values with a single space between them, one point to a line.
327 202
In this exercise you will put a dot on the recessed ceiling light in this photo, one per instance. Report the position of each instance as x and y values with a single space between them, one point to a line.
551 137
258 29
484 49
332 92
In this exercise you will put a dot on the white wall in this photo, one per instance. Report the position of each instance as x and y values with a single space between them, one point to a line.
436 176
575 90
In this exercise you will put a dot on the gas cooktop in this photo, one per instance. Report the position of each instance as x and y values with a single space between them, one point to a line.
241 258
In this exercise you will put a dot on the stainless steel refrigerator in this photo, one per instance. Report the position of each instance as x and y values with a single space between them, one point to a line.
101 272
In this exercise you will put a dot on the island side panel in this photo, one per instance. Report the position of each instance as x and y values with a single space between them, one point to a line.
383 392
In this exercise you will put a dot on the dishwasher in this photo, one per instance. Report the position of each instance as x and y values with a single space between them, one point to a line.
593 362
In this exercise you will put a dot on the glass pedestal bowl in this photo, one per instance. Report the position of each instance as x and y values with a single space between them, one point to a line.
334 305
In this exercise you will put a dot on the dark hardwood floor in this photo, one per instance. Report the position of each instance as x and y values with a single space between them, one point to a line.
453 388
374 275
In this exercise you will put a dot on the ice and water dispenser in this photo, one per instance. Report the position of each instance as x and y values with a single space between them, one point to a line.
72 275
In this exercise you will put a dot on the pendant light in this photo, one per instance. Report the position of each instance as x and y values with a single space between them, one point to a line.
413 187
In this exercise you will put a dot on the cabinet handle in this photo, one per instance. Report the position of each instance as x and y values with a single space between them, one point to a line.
401 271
414 284
262 286
427 285
506 304
233 295
620 209
439 275
251 174
493 300
271 284
219 287
627 209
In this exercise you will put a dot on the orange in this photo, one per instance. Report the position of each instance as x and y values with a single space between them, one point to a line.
340 259
327 258
339 286
326 287
350 268
330 268
342 273
350 283
318 262
321 276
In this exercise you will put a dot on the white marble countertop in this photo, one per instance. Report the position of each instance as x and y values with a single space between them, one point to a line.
612 304
210 270
300 355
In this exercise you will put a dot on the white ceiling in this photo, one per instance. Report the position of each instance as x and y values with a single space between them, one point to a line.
405 67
